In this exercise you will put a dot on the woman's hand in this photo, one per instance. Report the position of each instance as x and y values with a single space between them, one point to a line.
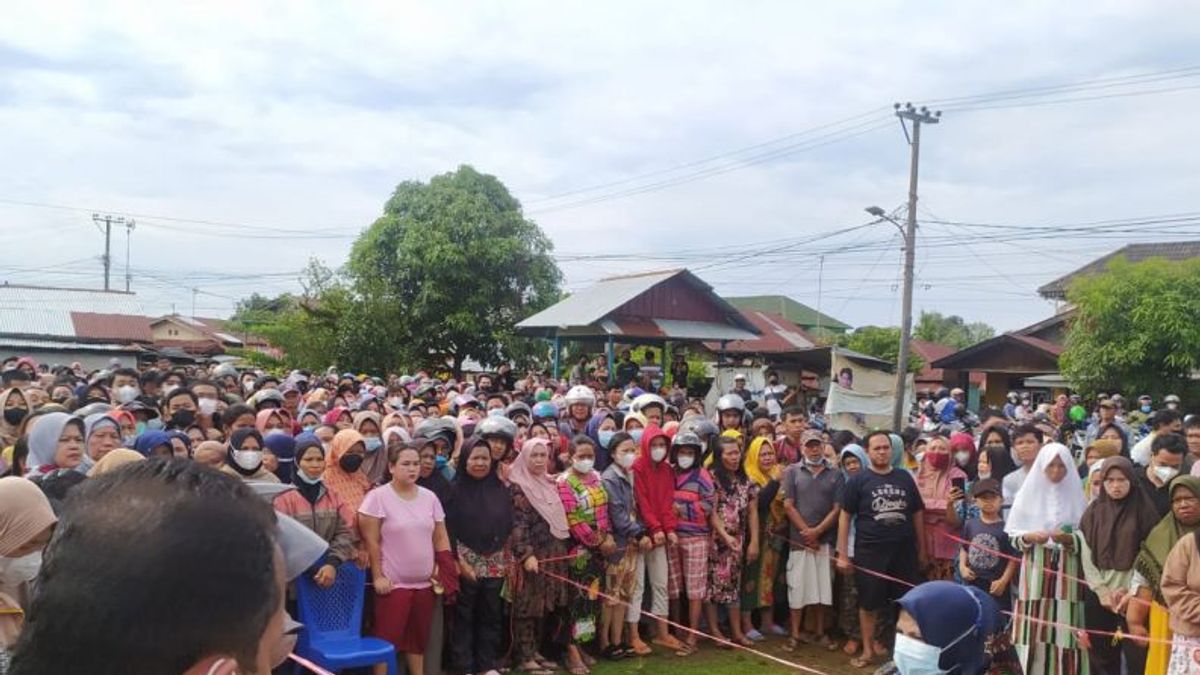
363 559
730 542
325 576
966 572
466 571
531 564
383 585
843 564
1034 538
646 543
1065 539
751 555
608 546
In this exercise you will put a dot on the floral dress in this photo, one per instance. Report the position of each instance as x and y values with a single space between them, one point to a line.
586 504
725 563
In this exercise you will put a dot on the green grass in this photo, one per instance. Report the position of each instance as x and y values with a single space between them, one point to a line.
712 661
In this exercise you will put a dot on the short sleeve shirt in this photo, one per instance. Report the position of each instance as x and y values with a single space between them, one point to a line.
883 507
987 539
813 496
406 533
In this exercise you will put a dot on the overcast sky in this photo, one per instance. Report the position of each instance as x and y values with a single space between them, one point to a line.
301 118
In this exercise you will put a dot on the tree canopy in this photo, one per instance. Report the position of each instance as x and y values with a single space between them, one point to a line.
883 343
1136 328
951 330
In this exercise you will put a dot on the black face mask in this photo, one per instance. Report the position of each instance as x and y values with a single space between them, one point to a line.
350 463
14 415
183 419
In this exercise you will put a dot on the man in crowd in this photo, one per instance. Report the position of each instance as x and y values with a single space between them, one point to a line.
1107 414
1026 441
790 446
739 387
627 370
1166 460
1165 422
811 489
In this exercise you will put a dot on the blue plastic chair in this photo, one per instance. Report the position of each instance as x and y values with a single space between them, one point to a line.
332 618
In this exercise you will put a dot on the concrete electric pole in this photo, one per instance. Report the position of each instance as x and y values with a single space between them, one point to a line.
107 220
917 116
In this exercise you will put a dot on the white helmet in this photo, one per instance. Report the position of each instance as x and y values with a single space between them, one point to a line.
580 394
641 402
731 402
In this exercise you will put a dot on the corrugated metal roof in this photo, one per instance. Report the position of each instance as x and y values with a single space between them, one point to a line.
779 336
674 329
1174 250
35 310
64 345
796 312
594 302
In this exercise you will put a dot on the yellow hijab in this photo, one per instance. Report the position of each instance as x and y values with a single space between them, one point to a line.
751 465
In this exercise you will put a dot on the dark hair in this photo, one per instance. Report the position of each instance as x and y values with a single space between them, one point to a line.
464 454
151 376
1172 443
127 372
394 453
1165 418
578 440
724 476
793 411
866 441
201 581
20 457
1026 430
909 435
13 374
176 393
841 438
233 412
1120 432
617 439
1192 422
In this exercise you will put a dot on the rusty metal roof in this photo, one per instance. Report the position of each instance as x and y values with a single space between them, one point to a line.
43 311
1174 250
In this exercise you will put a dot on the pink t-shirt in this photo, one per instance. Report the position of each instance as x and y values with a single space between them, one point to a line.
406 533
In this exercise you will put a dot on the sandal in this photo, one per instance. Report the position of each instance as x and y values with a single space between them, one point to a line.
640 649
850 648
612 653
548 664
865 662
685 649
578 669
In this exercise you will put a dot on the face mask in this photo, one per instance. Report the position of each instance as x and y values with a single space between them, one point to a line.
913 657
169 388
637 435
625 459
208 406
658 454
396 402
14 415
310 428
962 457
919 456
1165 473
350 463
128 441
373 443
183 418
685 461
249 460
248 385
583 465
304 477
814 462
1146 409
273 432
127 393
440 462
939 462
984 475
606 437
156 424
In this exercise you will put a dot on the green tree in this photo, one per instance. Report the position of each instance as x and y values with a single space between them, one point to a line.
1137 328
883 343
445 273
951 330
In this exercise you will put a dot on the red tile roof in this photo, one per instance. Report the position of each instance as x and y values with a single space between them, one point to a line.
112 327
935 377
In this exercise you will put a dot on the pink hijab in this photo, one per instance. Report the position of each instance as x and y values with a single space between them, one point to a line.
541 491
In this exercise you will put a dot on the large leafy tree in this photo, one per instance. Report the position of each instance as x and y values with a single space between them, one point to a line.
951 330
883 343
306 327
1136 329
447 270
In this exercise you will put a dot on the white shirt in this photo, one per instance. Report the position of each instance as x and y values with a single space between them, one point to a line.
1140 452
1012 484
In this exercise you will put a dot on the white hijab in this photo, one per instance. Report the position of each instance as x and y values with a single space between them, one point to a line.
1043 506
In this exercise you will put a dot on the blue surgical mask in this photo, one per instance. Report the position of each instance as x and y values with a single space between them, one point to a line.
373 443
913 657
637 435
440 462
304 477
606 437
155 423
310 428
129 441
1147 408
141 428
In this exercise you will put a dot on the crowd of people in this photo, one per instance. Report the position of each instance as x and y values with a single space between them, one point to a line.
534 525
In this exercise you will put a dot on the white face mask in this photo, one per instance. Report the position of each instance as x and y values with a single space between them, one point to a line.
208 406
625 459
658 454
962 457
249 460
127 393
273 432
583 465
1165 473
685 461
984 475
913 657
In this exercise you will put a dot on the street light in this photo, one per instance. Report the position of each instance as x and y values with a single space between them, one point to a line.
883 215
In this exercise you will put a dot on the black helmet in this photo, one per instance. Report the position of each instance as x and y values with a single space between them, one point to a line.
698 425
495 425
685 439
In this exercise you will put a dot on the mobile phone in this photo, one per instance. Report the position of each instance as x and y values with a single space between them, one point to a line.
959 483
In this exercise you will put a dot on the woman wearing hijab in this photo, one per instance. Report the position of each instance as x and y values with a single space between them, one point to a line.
1093 460
154 443
944 627
600 428
282 453
339 418
1113 528
1181 589
26 523
962 453
539 533
115 460
101 435
935 480
997 443
181 443
758 578
479 516
244 457
375 461
16 409
271 421
430 477
55 442
318 509
1151 620
1044 524
343 470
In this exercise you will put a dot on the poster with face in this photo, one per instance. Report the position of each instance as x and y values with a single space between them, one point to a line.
860 396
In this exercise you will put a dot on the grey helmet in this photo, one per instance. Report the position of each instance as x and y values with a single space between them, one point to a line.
494 425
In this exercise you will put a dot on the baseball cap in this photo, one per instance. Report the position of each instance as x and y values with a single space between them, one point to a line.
986 486
811 435
1107 403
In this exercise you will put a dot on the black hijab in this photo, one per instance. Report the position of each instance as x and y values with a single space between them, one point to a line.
310 491
235 443
479 511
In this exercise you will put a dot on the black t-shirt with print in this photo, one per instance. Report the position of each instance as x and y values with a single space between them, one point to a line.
883 506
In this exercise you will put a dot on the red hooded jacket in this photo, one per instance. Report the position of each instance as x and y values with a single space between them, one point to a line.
654 486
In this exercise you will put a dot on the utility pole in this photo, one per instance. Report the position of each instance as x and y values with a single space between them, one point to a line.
820 279
194 292
917 116
129 224
107 220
